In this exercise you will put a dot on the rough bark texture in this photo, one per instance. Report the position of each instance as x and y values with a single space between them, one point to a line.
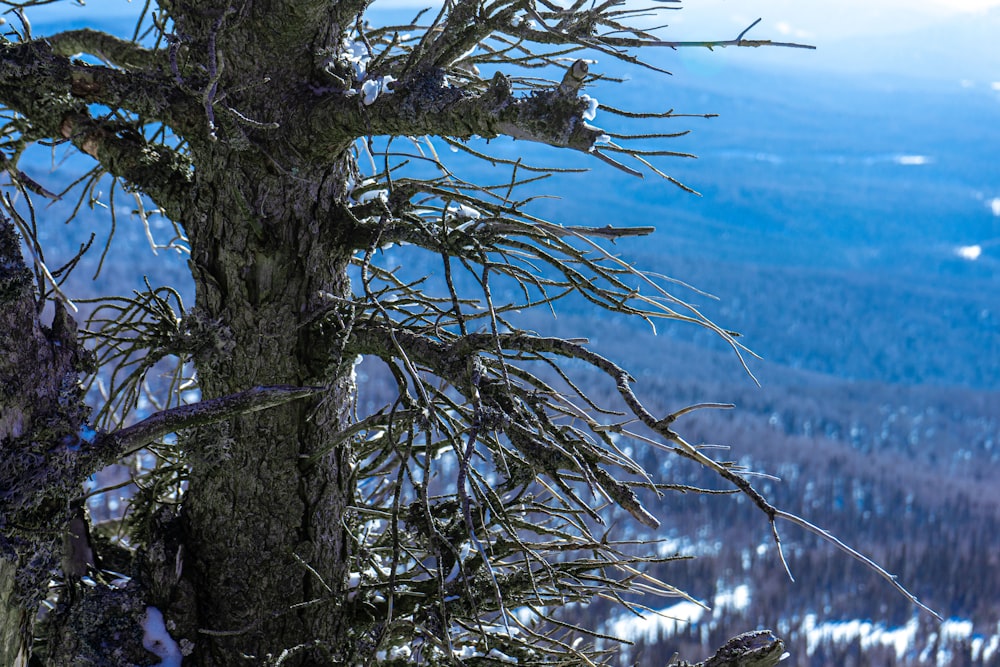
245 533
751 649
41 466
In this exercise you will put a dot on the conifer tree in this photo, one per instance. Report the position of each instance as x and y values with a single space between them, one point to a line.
289 144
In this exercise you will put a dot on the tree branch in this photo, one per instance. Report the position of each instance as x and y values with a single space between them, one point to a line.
448 360
56 105
60 84
455 362
425 104
368 230
112 50
751 649
160 171
129 440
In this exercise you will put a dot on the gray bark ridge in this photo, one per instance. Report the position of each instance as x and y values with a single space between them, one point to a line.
750 649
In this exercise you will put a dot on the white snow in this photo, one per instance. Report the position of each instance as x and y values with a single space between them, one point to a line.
936 648
399 653
986 649
868 633
969 252
467 652
467 54
956 628
356 53
502 657
158 641
354 368
911 160
463 212
652 625
372 88
738 598
592 104
369 91
995 206
372 195
672 619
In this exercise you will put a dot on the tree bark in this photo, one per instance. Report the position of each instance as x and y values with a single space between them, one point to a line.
42 463
750 649
255 515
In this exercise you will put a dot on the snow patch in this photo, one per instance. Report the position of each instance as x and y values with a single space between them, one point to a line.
737 598
400 653
463 212
867 633
502 657
372 195
467 652
969 252
158 641
591 112
653 625
911 160
372 88
369 91
354 368
356 53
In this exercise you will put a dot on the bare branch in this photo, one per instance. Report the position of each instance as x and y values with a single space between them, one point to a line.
855 554
133 438
162 172
425 104
56 103
112 50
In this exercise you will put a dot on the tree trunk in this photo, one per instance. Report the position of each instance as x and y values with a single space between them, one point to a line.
41 469
264 531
